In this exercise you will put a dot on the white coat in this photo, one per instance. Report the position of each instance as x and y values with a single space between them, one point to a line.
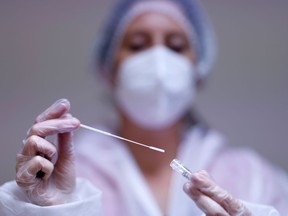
109 166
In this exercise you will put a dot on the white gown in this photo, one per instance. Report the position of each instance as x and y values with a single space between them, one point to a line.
109 166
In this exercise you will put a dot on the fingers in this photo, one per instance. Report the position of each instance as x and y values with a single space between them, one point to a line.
206 193
54 126
36 145
206 185
205 203
56 110
49 122
38 160
27 171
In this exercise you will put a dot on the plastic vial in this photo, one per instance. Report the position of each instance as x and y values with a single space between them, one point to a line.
178 167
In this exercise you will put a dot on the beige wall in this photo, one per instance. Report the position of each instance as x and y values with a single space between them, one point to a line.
45 49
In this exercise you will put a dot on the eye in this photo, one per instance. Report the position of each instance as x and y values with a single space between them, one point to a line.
177 42
137 42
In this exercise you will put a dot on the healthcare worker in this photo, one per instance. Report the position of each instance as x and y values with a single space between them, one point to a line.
154 55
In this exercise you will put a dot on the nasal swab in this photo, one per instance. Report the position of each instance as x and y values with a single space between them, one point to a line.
122 138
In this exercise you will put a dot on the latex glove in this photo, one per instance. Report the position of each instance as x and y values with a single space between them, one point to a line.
44 170
212 199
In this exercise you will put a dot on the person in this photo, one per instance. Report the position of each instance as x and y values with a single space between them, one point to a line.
155 56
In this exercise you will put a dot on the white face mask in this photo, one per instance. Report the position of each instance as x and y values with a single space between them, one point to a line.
155 87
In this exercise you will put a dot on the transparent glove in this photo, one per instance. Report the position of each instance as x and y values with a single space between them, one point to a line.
212 199
45 170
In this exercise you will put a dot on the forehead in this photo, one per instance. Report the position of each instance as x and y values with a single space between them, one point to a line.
154 22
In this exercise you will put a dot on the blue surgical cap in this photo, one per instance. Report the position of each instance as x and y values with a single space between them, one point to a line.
204 48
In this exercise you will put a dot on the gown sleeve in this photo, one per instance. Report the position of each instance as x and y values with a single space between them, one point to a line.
84 201
261 210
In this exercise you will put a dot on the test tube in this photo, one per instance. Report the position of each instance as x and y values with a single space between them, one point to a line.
178 167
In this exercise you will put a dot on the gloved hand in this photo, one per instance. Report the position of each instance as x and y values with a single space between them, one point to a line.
44 170
212 199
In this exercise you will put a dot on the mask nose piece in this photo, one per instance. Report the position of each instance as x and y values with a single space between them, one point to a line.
160 64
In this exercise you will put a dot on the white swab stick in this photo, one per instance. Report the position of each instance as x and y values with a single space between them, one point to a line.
122 138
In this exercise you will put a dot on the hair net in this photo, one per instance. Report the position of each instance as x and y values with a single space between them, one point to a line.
196 25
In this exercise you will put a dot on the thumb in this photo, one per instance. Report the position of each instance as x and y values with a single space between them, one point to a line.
66 152
64 171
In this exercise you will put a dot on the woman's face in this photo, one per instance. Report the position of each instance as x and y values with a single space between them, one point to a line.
151 29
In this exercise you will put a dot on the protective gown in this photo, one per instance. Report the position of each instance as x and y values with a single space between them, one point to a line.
118 187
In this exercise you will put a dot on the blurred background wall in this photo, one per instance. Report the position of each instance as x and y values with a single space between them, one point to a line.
45 53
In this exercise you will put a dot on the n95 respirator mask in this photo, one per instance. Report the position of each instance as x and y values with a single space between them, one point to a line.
155 87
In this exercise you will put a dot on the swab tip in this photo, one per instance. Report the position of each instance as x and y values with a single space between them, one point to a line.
157 149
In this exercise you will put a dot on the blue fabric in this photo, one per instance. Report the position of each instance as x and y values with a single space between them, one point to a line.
192 11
